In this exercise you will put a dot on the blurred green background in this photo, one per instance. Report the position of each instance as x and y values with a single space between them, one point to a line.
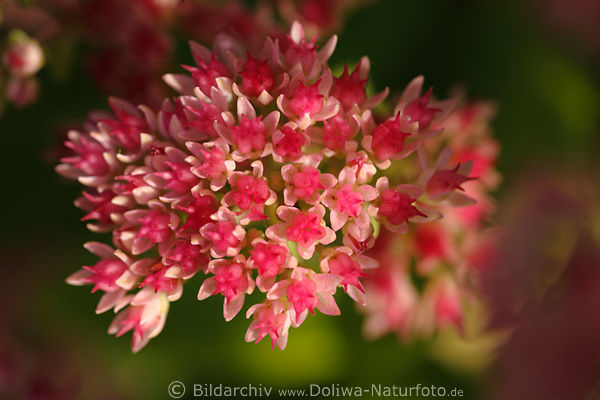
547 88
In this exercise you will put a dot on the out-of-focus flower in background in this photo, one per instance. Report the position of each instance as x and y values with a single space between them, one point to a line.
544 284
577 20
129 43
22 58
428 274
318 17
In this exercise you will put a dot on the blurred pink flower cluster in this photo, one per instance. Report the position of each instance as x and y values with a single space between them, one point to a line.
22 58
429 274
116 35
575 19
544 283
121 33
267 174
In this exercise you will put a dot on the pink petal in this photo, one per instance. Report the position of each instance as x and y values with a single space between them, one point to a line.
431 214
144 194
244 108
443 158
134 216
330 236
337 220
140 245
413 90
347 175
326 283
109 300
99 249
264 284
357 295
143 266
127 280
447 106
326 81
409 148
328 180
264 98
305 121
144 296
297 32
366 262
376 99
207 288
271 121
251 335
282 105
289 198
257 168
367 140
152 310
231 309
461 200
325 264
297 319
253 309
279 290
281 341
413 191
199 50
402 228
277 232
75 279
319 209
313 160
327 49
327 305
362 220
465 168
306 252
115 325
176 294
382 184
287 213
368 192
330 108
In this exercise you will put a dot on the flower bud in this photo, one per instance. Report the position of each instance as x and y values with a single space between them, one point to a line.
24 58
22 91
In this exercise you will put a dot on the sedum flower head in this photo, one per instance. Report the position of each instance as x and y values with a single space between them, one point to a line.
265 174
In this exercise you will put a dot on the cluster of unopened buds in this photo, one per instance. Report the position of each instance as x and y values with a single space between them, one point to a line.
22 59
265 174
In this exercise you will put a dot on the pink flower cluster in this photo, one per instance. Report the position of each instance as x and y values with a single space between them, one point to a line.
430 275
267 174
